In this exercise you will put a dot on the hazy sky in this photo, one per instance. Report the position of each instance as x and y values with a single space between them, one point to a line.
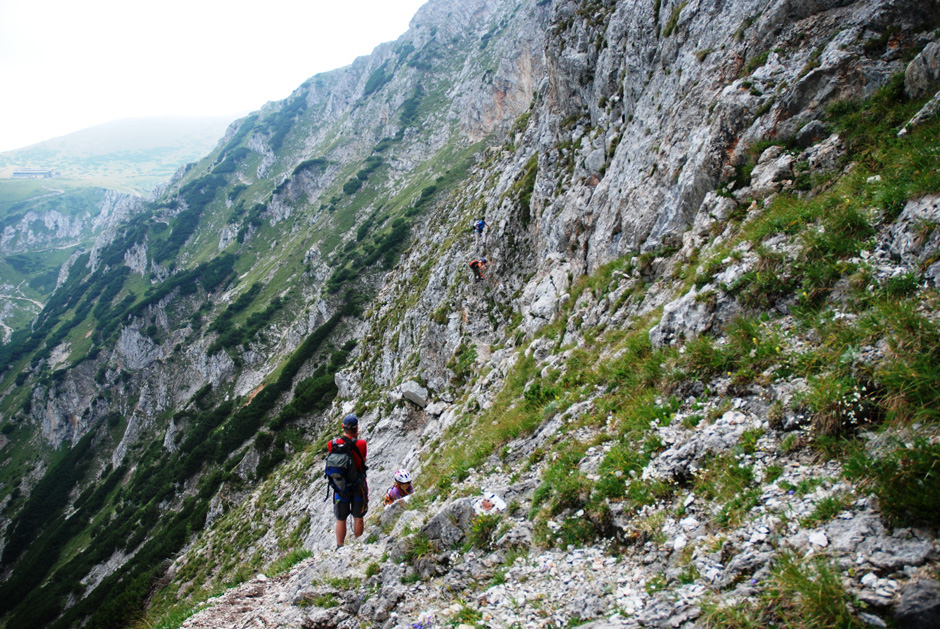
66 64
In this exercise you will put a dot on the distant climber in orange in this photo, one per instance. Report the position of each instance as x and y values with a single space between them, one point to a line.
478 266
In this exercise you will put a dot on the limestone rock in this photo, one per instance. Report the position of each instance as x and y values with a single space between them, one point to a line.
771 170
346 385
414 392
919 605
135 350
928 111
826 155
541 296
519 536
683 319
617 138
136 258
923 73
914 238
451 525
810 134
319 618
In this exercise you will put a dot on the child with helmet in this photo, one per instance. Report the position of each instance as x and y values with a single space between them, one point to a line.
401 488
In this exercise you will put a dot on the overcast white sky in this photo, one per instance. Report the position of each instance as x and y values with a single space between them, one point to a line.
66 65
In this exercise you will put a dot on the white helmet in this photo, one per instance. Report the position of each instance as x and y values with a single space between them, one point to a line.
402 476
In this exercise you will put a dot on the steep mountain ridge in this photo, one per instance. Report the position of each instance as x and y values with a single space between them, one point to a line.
658 314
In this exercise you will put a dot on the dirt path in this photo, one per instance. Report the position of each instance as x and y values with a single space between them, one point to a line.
32 301
250 605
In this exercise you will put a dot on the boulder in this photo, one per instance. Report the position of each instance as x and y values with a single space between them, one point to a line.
414 392
436 408
376 609
449 527
320 618
519 536
595 161
923 73
919 605
810 134
894 553
772 169
699 311
915 236
929 111
825 155
346 384
432 565
683 319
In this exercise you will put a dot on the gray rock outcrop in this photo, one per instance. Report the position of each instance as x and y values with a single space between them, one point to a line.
919 605
922 76
915 238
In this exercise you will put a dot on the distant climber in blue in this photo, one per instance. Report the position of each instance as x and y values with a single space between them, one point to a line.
479 227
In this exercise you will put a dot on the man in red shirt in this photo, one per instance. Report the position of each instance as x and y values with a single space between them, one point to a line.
356 500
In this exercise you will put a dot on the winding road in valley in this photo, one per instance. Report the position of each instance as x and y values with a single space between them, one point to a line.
32 301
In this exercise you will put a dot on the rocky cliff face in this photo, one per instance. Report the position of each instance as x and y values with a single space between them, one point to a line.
709 265
51 227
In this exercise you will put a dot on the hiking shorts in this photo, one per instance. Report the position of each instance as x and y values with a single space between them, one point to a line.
343 510
357 507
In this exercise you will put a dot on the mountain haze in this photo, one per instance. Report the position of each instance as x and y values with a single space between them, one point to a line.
699 380
133 154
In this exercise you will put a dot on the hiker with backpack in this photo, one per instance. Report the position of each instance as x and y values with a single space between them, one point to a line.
478 266
401 488
478 227
346 475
